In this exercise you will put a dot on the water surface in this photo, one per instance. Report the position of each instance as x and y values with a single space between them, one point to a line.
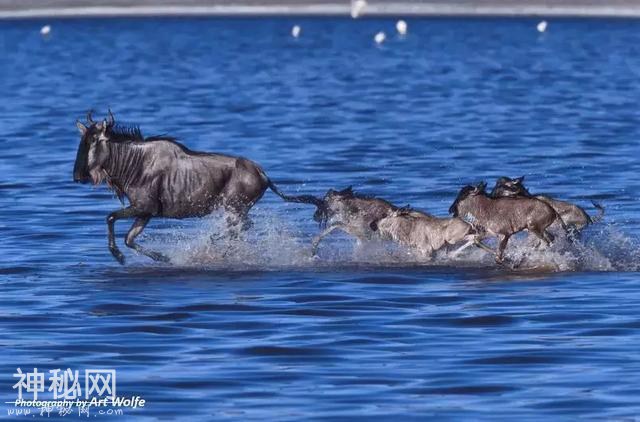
361 332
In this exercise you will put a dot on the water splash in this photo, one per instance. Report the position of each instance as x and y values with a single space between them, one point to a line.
268 244
275 243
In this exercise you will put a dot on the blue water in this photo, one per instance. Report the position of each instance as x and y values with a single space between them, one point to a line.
362 332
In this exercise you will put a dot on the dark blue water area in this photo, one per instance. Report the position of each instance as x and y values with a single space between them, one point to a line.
259 329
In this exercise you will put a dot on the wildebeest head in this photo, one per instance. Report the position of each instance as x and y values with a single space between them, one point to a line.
464 193
404 211
332 204
92 151
507 187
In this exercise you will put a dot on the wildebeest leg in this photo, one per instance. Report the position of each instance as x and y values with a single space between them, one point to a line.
325 233
236 221
501 247
478 242
544 235
573 234
458 251
111 220
134 231
548 237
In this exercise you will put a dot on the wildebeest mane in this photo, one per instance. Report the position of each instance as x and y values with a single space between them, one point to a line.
350 193
121 133
132 133
464 193
406 210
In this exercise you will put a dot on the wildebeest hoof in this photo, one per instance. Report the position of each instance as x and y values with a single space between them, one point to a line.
119 257
159 257
507 263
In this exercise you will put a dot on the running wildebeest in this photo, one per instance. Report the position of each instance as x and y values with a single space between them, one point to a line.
350 212
162 178
575 217
424 232
504 217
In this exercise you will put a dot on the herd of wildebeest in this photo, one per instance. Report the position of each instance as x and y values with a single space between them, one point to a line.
162 178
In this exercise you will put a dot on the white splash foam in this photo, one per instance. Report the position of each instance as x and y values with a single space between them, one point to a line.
274 242
268 244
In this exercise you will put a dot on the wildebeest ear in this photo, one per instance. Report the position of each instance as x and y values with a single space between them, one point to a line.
519 180
347 190
81 127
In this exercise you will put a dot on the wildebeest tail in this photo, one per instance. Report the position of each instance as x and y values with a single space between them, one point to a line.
302 199
597 218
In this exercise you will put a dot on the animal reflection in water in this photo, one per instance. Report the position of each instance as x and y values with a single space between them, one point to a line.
162 178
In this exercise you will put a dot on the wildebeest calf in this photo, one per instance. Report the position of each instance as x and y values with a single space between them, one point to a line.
350 212
572 215
423 232
503 217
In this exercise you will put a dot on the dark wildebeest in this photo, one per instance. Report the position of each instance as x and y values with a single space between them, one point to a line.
423 232
350 212
162 178
575 217
504 217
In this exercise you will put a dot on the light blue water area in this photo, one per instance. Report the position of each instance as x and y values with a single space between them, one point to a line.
361 332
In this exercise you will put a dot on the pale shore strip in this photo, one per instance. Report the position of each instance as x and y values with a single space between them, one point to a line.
19 10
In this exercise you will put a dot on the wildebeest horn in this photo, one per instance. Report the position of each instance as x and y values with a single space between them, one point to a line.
89 119
111 119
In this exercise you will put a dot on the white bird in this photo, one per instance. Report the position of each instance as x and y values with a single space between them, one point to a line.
542 26
380 37
401 27
295 31
45 30
357 7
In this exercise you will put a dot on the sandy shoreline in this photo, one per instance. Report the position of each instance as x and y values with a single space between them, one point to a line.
17 9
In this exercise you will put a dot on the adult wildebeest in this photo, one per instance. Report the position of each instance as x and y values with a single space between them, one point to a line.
162 178
350 212
572 215
424 232
503 217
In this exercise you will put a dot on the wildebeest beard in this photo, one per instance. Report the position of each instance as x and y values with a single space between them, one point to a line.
81 166
321 215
